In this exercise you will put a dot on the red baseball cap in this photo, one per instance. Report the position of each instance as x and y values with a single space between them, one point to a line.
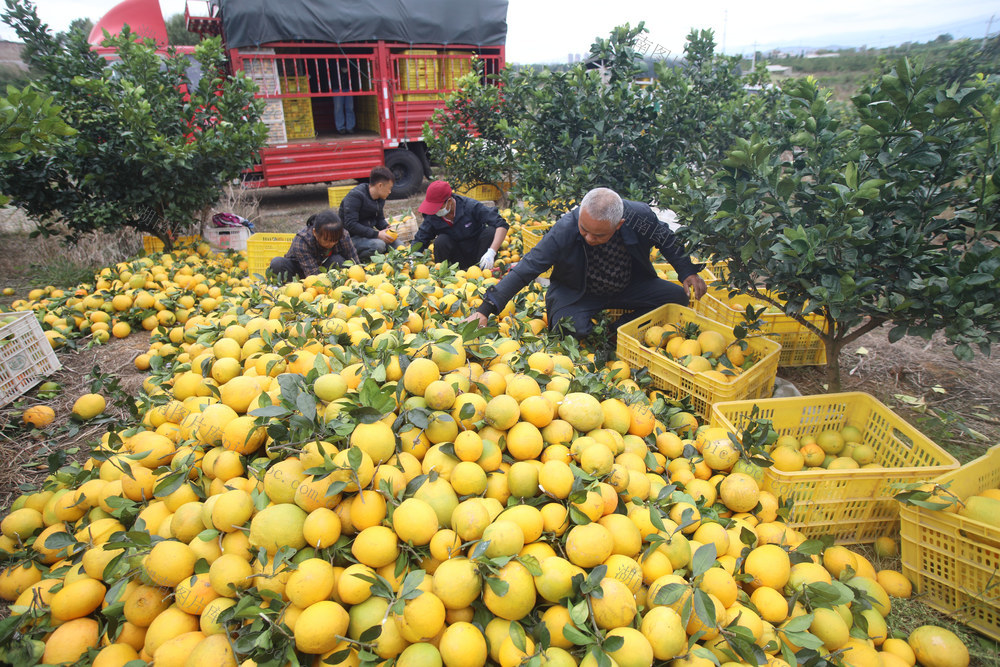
438 193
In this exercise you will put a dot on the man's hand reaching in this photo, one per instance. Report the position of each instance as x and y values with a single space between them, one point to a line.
696 285
478 317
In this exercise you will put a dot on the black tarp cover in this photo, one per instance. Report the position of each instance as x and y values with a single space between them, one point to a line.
250 23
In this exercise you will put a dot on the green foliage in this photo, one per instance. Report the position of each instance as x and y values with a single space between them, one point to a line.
29 125
177 32
152 146
589 127
886 216
562 133
472 141
709 102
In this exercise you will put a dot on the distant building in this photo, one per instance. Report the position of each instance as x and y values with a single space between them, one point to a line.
10 56
821 55
778 70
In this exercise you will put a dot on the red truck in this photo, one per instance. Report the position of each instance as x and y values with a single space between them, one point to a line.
395 61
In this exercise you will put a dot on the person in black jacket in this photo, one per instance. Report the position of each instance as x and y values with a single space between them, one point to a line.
362 211
599 255
462 229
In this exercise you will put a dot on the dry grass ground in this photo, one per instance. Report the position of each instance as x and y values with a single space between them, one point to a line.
24 458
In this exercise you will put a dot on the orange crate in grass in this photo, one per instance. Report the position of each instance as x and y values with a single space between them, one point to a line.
855 505
261 248
954 561
799 345
678 381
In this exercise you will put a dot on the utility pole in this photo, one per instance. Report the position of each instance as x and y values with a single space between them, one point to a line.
988 26
753 58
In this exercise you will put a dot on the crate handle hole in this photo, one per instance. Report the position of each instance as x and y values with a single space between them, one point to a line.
902 438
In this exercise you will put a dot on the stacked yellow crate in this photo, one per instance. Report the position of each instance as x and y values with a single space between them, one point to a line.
298 111
454 69
366 112
418 74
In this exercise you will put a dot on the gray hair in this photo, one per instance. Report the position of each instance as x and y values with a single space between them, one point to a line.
603 204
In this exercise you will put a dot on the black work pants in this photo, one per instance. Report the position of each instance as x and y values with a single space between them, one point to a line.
640 297
465 253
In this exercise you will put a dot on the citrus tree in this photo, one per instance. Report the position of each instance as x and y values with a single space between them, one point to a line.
153 145
471 139
709 100
886 216
29 124
562 133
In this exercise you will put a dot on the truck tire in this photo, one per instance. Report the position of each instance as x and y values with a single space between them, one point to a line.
408 170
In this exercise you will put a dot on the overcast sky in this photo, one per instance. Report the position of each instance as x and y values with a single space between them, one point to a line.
549 30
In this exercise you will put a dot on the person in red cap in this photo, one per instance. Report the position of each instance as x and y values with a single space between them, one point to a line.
463 230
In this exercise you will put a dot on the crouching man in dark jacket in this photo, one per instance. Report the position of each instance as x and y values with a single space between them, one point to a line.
462 229
363 213
599 255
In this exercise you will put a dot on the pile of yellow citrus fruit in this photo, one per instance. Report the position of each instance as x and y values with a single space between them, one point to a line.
339 471
708 352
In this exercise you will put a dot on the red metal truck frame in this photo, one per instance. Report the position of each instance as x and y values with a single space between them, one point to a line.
401 111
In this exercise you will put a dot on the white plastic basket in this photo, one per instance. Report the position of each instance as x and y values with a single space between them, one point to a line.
25 356
227 238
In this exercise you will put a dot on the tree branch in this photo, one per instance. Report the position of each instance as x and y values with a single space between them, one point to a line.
872 323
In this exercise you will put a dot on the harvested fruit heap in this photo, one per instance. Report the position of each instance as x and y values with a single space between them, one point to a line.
338 471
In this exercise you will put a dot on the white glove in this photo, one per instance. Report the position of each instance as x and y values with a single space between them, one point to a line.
486 261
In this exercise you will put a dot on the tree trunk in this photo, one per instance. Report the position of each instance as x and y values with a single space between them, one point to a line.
168 242
833 364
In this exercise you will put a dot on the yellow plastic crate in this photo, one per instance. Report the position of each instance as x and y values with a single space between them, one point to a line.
261 248
453 69
337 194
482 193
300 129
799 345
295 84
153 244
954 561
418 74
530 236
678 381
854 506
